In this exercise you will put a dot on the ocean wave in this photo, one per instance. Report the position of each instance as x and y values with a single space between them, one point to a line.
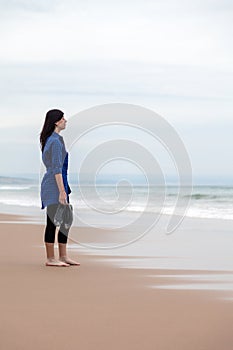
15 188
20 202
202 196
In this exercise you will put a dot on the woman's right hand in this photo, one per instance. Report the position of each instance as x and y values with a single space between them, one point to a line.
63 197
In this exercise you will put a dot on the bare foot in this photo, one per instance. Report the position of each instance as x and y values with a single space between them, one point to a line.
54 262
69 261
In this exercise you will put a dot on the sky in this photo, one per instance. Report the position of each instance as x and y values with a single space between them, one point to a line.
172 56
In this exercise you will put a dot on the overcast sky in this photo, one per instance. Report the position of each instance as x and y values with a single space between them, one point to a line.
173 56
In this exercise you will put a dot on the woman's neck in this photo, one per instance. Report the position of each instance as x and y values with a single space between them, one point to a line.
57 130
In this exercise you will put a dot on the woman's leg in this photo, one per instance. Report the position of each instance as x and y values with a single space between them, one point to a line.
62 234
49 237
62 243
50 229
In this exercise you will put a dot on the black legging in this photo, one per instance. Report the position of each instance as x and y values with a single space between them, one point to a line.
49 236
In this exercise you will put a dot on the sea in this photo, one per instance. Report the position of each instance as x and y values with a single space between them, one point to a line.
21 195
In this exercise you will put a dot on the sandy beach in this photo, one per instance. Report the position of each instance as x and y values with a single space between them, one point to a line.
100 305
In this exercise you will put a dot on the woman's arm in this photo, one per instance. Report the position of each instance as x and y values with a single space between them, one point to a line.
61 188
57 163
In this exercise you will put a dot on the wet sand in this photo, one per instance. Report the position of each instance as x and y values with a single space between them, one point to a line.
99 305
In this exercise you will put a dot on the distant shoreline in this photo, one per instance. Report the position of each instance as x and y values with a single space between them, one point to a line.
221 180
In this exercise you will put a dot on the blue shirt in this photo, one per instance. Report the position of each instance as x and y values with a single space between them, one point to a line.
55 158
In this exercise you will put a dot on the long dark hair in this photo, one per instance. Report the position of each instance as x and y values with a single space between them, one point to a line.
52 116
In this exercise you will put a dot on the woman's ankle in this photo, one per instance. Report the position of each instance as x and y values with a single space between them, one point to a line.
63 258
51 259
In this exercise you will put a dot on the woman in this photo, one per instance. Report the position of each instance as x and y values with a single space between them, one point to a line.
54 186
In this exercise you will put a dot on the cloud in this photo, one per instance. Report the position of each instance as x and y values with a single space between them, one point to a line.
172 32
124 78
20 6
183 95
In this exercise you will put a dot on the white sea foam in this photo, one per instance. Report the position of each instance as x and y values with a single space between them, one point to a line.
14 188
22 202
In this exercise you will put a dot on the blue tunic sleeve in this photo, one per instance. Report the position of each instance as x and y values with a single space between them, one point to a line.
57 161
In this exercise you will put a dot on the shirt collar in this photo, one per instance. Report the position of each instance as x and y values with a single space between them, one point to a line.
55 134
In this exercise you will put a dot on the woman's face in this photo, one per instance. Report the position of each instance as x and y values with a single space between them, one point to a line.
61 124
